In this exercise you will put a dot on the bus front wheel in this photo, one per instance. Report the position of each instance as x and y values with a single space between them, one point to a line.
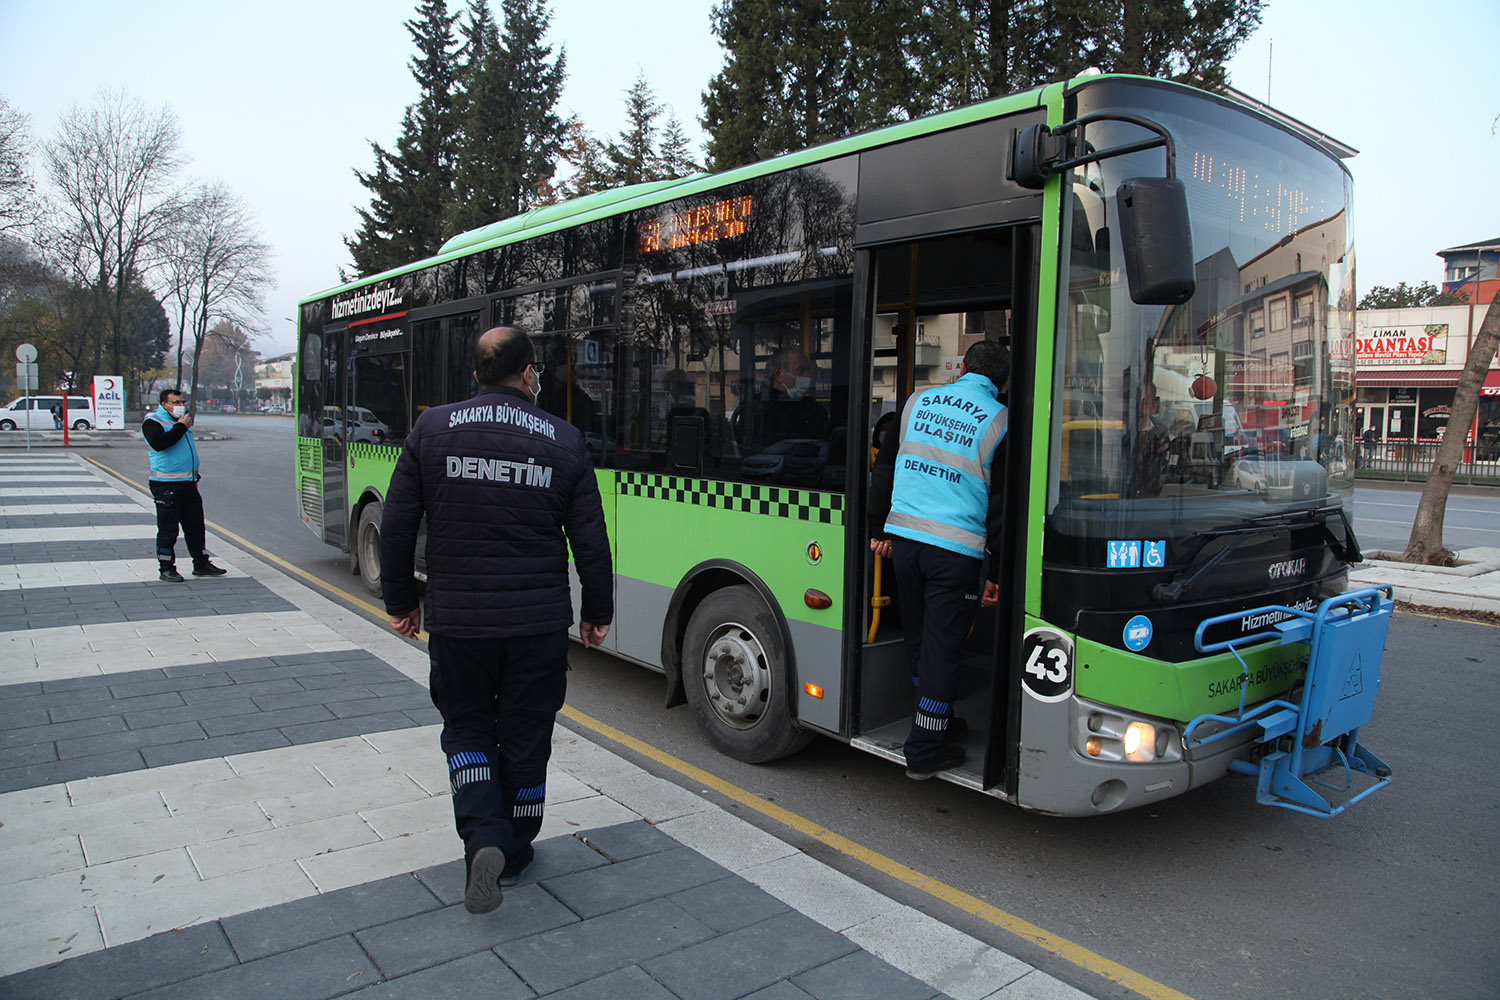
368 540
735 678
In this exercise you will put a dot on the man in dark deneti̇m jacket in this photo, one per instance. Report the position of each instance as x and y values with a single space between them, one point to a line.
506 488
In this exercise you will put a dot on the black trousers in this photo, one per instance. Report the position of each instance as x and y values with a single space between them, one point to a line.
939 597
178 503
499 699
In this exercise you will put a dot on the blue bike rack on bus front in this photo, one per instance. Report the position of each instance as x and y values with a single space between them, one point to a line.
1346 637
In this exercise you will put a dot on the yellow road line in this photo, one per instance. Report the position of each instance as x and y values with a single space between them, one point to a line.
1059 946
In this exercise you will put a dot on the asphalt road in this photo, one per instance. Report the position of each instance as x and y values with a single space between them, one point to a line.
1383 516
1208 893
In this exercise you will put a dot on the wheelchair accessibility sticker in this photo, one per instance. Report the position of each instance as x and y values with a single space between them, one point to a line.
1131 553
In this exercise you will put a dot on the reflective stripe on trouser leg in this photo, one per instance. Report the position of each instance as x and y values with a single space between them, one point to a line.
526 807
933 715
467 767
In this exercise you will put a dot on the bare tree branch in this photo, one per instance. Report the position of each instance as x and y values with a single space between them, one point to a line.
112 166
18 204
215 267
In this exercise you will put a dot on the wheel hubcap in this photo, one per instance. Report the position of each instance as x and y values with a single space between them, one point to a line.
736 675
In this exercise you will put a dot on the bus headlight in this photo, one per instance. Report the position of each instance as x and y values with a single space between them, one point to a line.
1109 735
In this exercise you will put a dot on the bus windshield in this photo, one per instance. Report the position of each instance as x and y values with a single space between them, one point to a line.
1237 403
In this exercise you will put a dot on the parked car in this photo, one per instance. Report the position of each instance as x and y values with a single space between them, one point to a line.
362 425
36 412
1288 479
795 461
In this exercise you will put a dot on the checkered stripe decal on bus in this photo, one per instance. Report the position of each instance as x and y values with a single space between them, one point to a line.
802 505
373 452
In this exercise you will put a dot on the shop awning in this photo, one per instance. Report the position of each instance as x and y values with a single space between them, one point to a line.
1400 378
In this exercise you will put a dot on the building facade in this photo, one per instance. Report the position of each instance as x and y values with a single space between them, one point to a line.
1408 365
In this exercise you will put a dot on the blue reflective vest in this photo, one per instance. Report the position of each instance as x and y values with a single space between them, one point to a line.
940 492
178 463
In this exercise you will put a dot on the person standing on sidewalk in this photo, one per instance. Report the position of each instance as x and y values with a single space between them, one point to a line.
506 489
174 486
934 511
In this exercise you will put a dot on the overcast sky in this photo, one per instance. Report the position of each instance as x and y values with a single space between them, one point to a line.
280 100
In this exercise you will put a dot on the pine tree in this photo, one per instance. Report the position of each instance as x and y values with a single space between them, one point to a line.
676 156
527 146
807 71
483 105
410 186
633 158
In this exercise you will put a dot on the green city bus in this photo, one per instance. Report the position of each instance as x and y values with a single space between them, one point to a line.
1173 273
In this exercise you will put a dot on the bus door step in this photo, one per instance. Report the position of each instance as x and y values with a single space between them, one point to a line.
1313 743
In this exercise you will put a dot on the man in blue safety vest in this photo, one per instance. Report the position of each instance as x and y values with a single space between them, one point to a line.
174 486
934 512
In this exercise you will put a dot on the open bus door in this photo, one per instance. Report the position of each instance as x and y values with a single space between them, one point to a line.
923 303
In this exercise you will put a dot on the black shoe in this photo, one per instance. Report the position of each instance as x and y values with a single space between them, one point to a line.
208 569
482 890
170 575
958 728
513 870
948 756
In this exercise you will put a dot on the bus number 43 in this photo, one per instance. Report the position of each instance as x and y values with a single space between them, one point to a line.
1049 657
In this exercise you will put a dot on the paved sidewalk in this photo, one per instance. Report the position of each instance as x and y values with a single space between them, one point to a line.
1473 585
233 787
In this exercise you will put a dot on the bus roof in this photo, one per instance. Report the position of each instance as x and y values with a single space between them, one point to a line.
615 201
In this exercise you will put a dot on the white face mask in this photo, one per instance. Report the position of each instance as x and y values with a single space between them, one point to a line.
179 411
799 387
536 393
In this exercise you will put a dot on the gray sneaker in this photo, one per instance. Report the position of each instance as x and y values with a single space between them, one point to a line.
513 870
170 575
482 892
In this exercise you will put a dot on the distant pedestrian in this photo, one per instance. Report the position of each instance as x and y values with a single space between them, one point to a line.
506 490
57 416
174 486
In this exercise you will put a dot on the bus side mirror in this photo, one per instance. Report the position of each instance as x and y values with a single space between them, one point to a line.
1034 150
1157 240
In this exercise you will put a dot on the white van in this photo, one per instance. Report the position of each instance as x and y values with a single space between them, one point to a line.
37 413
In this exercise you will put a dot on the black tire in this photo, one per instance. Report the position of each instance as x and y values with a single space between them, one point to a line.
7 425
734 674
367 538
80 425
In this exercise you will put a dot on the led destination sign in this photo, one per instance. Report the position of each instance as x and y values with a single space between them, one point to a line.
704 224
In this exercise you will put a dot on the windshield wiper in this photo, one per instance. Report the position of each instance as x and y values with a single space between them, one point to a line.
1347 550
1170 593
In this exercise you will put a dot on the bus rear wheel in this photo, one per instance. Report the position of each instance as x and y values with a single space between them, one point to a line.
367 537
735 678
